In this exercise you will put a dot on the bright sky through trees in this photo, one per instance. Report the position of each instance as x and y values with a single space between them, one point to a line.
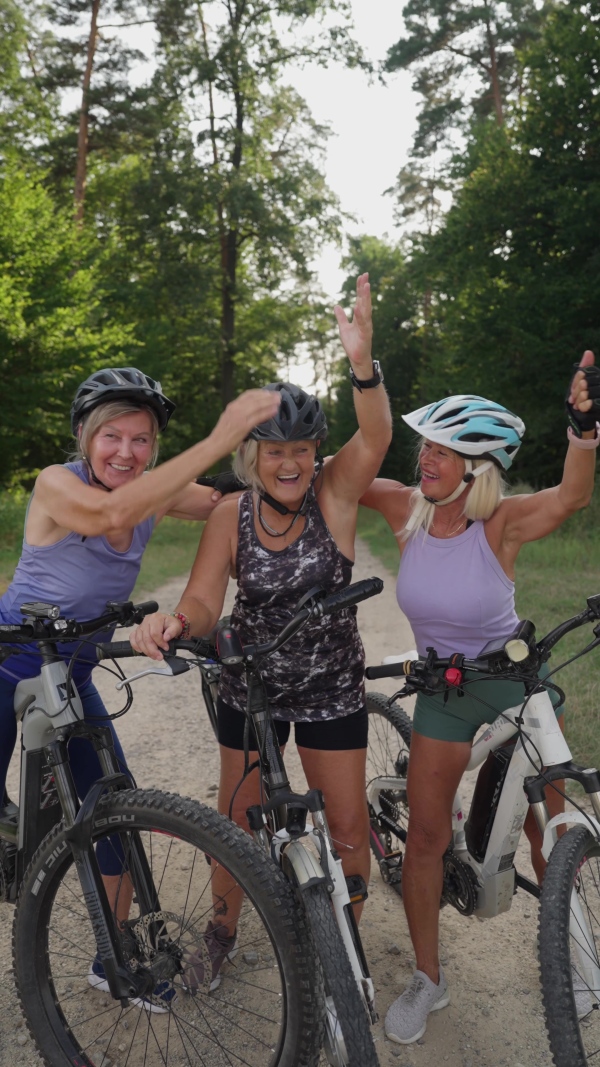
372 127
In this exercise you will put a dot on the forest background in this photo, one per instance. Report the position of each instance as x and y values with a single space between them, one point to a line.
172 221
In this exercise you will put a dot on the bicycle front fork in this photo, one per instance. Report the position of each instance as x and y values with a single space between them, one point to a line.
319 865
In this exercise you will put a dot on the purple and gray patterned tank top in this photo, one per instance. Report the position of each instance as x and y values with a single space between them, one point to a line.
319 674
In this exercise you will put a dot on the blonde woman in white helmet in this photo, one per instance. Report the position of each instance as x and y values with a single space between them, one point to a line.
459 538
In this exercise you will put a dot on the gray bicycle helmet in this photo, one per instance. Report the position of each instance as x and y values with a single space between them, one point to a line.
472 426
120 383
300 417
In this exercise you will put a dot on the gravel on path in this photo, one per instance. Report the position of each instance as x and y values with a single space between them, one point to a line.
495 1014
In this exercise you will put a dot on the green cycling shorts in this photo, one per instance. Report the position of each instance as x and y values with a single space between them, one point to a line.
459 718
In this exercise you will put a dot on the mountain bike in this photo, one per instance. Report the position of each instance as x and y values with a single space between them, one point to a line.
108 980
521 753
304 853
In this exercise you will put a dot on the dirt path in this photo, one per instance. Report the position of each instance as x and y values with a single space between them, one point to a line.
495 1015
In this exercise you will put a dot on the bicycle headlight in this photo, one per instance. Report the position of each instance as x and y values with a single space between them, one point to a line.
521 643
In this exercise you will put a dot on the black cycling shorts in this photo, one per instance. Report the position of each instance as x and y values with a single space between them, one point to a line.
329 735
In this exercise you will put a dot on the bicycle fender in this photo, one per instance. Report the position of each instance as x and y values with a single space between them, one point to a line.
306 867
567 818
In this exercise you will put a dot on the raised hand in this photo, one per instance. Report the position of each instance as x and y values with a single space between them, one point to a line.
243 414
357 335
579 394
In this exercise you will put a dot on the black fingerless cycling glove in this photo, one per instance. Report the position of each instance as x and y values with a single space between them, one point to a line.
224 483
580 421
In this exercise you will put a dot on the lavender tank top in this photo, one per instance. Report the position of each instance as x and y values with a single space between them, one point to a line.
78 573
454 592
319 674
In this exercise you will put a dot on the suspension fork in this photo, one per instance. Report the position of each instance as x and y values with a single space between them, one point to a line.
79 822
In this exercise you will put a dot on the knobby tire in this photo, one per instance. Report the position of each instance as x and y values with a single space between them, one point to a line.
340 983
574 863
268 1008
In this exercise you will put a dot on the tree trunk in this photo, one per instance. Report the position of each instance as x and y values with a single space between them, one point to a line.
82 137
496 94
229 262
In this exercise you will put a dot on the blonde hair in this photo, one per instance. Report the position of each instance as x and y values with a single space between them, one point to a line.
103 413
481 501
245 465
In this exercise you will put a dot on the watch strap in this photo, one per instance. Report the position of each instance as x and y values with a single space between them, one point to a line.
369 383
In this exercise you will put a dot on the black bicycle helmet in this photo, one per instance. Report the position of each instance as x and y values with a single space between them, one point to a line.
300 417
120 383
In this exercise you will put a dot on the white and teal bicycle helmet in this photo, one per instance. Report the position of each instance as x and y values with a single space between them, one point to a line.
474 427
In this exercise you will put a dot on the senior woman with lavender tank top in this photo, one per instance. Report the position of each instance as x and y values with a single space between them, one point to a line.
459 539
87 525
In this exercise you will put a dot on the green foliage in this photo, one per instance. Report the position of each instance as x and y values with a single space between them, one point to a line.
453 43
12 517
515 270
53 326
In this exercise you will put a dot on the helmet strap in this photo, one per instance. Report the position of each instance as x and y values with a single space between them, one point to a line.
94 478
281 508
468 477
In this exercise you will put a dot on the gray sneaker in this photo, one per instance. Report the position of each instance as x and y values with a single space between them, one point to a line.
406 1020
202 965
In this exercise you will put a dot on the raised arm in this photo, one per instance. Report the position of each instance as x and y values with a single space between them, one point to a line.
349 473
89 511
391 499
527 518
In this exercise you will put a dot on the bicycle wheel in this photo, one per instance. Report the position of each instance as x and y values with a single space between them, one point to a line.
268 1005
348 1039
390 731
569 937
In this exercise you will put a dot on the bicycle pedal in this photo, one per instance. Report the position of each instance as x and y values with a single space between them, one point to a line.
357 888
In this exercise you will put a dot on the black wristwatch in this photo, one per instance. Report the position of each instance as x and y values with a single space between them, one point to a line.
369 383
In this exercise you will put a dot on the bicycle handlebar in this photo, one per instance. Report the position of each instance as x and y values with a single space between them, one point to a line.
38 627
344 598
123 650
351 595
497 662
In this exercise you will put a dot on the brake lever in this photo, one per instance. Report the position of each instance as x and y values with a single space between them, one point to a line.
173 665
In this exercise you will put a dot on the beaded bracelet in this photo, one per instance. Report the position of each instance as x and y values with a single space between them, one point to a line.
185 623
589 442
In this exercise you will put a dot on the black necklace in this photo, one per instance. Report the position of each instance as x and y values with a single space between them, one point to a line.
275 533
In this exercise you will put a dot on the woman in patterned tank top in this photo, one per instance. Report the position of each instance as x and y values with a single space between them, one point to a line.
459 539
316 681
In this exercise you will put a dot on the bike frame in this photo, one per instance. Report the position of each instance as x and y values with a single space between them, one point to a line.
50 710
523 787
307 855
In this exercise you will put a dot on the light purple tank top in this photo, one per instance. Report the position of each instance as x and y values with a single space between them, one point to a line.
454 592
78 573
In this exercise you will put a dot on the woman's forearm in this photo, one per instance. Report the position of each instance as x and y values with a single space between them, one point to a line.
577 485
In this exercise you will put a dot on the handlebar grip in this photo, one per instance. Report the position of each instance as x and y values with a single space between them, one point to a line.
353 594
148 607
390 670
116 650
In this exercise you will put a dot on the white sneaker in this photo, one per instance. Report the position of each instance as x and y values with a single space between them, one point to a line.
406 1020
